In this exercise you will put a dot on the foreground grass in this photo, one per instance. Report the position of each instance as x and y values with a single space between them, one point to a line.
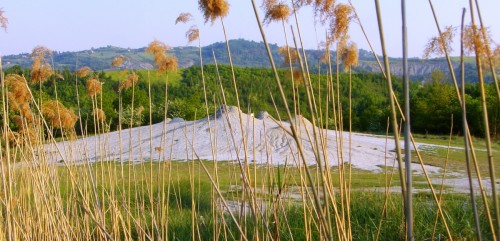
455 156
176 200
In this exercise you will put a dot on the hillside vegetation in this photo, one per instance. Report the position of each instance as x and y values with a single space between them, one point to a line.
244 53
433 103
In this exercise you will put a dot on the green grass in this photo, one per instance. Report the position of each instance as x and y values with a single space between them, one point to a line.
366 206
456 157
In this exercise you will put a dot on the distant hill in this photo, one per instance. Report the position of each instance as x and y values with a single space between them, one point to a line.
244 54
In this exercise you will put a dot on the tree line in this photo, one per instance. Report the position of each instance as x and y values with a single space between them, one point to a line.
434 104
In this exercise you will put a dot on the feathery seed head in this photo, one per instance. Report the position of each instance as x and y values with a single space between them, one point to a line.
163 61
193 34
58 116
18 92
350 56
3 20
82 72
325 9
289 55
184 18
496 56
439 45
40 70
268 4
156 47
130 81
298 77
213 9
118 61
99 114
40 52
301 3
94 87
26 112
474 41
277 12
339 26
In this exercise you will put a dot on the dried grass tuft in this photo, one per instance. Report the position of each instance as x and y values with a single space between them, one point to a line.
94 87
193 34
301 3
3 20
163 61
349 56
83 72
130 81
58 116
18 92
298 77
436 45
40 52
26 132
26 112
325 55
496 56
293 57
474 41
339 25
277 12
99 114
118 61
325 9
184 18
213 9
40 70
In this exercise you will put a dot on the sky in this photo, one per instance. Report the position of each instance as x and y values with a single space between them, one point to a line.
75 25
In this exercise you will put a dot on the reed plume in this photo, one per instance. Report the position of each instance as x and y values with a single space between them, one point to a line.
40 70
184 18
117 61
193 34
213 9
298 77
325 9
437 45
163 61
130 81
339 25
94 87
473 41
3 20
301 3
288 56
496 56
476 39
19 96
58 116
26 112
18 92
26 131
277 12
349 56
99 114
82 72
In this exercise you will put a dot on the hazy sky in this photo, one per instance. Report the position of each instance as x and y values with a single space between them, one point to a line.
63 25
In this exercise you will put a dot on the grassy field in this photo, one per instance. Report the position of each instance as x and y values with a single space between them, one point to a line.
175 200
454 155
